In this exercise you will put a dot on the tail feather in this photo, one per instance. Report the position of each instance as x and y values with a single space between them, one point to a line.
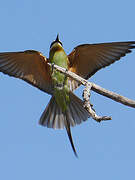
77 113
67 125
53 117
74 113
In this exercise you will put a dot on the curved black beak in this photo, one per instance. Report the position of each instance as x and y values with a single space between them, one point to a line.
56 41
57 38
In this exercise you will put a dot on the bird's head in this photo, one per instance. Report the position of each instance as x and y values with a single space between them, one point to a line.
56 44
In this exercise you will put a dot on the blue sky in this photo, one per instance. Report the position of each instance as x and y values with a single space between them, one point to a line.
29 151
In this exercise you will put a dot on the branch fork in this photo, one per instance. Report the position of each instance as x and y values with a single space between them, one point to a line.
88 106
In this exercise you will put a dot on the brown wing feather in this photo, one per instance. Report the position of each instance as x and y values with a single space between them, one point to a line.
30 65
85 60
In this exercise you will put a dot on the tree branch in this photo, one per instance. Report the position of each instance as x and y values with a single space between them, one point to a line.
113 96
91 86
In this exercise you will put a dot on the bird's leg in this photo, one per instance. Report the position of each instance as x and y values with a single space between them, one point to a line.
52 68
65 78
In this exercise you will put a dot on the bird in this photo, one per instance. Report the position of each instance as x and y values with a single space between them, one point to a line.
65 109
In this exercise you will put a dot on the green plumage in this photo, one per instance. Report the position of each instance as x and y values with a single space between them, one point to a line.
64 109
61 89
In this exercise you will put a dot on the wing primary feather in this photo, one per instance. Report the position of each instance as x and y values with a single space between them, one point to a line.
30 66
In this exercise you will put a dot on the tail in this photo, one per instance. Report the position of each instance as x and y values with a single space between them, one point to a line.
53 117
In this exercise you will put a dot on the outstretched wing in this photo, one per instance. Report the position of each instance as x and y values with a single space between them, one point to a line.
30 65
85 60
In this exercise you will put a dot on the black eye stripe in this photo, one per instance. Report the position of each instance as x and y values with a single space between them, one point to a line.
55 42
52 43
60 43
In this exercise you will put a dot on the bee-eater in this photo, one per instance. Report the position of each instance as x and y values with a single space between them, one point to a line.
64 109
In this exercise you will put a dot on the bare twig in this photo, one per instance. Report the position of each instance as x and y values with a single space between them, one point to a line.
88 106
113 96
